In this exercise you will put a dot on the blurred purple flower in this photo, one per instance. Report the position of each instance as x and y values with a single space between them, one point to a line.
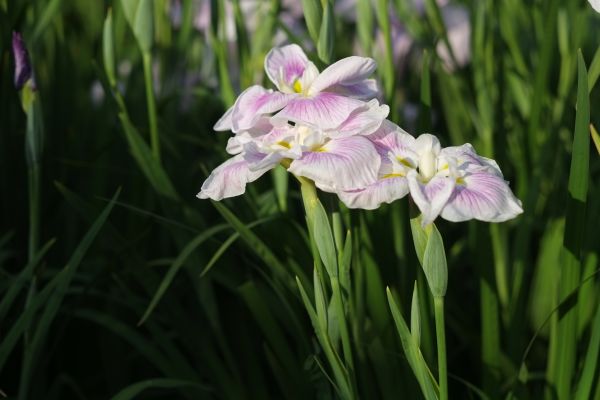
458 27
23 70
456 20
176 13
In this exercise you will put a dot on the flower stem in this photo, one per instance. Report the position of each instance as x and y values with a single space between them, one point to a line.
440 333
309 196
343 372
151 101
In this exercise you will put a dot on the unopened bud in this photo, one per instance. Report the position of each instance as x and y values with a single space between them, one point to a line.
23 71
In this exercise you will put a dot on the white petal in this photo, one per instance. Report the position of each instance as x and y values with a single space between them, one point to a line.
467 158
341 164
258 159
224 123
364 90
385 190
430 197
347 71
595 5
483 196
426 143
285 64
229 179
258 132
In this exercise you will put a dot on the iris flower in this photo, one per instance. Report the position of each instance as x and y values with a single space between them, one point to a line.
337 159
303 96
453 182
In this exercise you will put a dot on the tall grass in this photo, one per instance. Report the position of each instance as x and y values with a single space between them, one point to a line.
283 292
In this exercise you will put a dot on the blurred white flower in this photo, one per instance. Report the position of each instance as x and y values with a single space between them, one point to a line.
97 94
595 5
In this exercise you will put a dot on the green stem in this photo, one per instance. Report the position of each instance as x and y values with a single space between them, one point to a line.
309 196
151 101
500 264
344 373
34 210
440 333
388 62
34 234
344 333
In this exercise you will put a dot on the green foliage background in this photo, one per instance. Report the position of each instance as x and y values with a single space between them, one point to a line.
116 282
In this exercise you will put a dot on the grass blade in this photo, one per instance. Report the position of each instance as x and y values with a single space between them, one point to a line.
412 352
324 239
51 308
20 280
177 264
562 358
584 388
256 244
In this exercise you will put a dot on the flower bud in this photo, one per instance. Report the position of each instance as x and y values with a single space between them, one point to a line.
23 71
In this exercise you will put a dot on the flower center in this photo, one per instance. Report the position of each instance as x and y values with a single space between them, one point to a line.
427 165
297 86
285 144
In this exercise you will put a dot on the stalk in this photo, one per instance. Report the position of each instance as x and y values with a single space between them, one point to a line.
309 196
342 372
151 102
440 333
33 176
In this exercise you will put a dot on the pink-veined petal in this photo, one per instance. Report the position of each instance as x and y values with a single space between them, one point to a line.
483 196
279 133
362 121
347 71
324 111
285 64
259 132
467 158
258 159
225 123
253 104
235 144
391 138
229 179
385 190
430 197
364 90
340 164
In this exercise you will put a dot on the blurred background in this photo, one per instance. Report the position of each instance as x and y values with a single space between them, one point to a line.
116 281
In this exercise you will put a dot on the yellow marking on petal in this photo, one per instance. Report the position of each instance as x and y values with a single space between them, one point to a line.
460 181
404 162
284 144
396 175
444 167
285 162
319 150
297 86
